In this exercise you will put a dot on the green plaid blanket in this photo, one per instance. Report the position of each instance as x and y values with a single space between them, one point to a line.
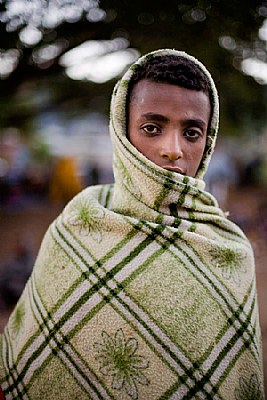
141 290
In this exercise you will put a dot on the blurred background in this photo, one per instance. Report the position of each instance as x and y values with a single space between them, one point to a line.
59 61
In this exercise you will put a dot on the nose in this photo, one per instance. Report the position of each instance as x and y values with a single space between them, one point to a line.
171 147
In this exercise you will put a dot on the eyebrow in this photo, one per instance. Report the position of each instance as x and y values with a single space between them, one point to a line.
155 117
186 122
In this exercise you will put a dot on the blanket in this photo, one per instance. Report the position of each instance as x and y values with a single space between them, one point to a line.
142 289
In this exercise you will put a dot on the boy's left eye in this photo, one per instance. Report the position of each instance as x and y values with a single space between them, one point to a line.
192 134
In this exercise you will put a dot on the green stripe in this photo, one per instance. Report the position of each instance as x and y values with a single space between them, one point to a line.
161 196
10 378
192 262
207 279
239 332
184 192
226 327
233 312
108 196
235 235
184 377
51 335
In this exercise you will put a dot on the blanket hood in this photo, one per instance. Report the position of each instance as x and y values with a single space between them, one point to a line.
118 120
142 188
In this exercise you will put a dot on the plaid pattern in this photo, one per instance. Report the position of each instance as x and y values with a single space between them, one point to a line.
141 290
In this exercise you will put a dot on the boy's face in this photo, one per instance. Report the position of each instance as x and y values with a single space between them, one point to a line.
168 124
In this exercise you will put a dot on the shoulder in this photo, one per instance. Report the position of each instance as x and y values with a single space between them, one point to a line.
100 195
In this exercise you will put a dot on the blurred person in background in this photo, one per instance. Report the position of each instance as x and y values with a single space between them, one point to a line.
222 174
16 272
65 182
16 156
143 289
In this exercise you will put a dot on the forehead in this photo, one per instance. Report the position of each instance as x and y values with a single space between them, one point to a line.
147 94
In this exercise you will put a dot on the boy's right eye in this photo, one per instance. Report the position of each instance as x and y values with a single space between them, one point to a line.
151 129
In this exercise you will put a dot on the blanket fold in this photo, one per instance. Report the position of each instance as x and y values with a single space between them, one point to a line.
142 289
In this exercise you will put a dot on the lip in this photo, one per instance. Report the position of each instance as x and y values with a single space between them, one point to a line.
173 169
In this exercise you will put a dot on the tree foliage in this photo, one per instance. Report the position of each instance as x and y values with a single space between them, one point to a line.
220 33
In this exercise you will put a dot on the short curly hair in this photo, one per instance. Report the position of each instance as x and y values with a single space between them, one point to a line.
176 70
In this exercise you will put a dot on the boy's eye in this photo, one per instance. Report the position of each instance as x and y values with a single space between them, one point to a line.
192 134
151 129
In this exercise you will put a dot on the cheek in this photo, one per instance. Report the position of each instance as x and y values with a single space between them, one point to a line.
137 141
193 161
143 145
134 138
195 152
199 150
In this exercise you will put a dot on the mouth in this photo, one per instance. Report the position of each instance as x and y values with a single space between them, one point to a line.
173 169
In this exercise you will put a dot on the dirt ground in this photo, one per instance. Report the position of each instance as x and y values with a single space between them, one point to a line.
247 207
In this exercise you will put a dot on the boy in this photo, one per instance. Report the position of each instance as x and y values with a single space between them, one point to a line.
143 289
